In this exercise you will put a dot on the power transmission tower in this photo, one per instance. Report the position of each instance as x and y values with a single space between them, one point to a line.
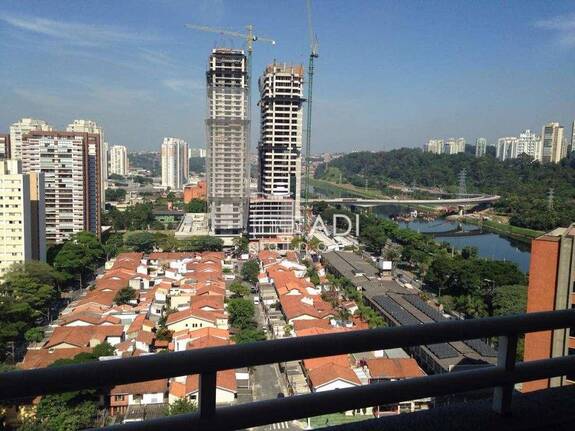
462 187
550 198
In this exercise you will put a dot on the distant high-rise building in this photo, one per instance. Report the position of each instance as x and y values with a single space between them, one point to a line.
197 152
89 126
281 105
434 146
228 125
480 147
553 148
21 128
551 283
4 146
71 165
175 163
506 148
573 136
454 146
119 160
22 227
528 143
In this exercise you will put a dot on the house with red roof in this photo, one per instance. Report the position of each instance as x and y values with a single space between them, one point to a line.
152 392
196 319
299 307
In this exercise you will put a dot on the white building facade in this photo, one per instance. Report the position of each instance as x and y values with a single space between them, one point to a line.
480 147
175 163
552 142
70 162
227 156
19 129
22 233
506 148
270 216
119 160
528 143
434 146
280 145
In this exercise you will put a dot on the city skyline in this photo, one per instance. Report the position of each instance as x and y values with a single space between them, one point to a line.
163 62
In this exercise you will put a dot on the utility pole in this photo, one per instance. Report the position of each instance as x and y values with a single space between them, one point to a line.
462 192
550 198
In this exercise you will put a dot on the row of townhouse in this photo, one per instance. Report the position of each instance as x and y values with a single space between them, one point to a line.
306 310
183 292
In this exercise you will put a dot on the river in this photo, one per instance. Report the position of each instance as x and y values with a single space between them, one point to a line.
489 245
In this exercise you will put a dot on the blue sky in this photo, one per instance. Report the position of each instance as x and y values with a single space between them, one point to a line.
390 73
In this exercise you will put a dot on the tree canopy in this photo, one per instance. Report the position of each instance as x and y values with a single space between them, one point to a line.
250 270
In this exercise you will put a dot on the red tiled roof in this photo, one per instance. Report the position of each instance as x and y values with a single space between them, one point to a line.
149 387
394 368
80 336
41 358
91 318
215 302
313 323
209 316
312 363
331 372
225 380
293 307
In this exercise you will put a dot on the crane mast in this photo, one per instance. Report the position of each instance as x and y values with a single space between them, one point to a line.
313 55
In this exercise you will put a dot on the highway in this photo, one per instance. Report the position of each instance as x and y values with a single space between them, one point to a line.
377 202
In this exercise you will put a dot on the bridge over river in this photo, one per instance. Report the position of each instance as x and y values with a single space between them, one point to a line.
362 202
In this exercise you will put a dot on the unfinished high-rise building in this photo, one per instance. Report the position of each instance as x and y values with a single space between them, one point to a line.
227 131
281 101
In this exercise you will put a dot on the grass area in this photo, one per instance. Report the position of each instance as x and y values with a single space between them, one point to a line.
507 229
336 419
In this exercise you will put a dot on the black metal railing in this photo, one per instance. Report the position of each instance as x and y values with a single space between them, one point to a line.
206 363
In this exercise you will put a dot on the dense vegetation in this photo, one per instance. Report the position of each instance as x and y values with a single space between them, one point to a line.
522 182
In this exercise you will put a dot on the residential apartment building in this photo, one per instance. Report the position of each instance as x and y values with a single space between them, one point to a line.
454 146
506 148
553 146
175 163
71 165
22 233
197 152
119 160
89 126
271 215
573 136
528 143
19 129
480 147
4 146
434 146
280 145
227 125
551 287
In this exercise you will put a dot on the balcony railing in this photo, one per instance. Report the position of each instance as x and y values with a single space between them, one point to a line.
207 362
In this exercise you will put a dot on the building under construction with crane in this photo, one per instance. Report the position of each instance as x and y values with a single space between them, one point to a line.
227 132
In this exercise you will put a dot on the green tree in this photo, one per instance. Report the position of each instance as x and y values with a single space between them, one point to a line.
103 349
510 300
115 195
242 244
113 245
241 313
34 335
141 241
196 206
249 335
125 295
80 256
239 290
181 406
250 271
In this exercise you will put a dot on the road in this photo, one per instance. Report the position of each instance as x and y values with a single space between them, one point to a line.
268 383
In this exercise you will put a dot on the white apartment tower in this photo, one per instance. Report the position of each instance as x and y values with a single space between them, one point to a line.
434 146
480 147
4 146
280 145
175 163
506 148
227 130
528 143
70 162
22 234
19 129
88 126
119 160
553 148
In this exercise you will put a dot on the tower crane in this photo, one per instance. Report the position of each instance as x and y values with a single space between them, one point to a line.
314 46
249 37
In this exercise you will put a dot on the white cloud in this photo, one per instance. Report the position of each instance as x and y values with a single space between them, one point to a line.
185 86
563 25
75 33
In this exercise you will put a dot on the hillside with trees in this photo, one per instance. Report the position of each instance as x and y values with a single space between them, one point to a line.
523 183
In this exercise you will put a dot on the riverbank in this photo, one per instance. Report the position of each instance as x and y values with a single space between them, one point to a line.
518 233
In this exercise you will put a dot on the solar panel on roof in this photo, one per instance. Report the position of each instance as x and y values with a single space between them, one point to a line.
394 310
424 307
480 347
443 350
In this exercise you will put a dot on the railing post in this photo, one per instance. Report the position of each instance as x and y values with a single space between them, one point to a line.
506 360
207 401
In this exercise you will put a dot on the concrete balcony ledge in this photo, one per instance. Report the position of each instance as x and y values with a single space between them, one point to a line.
552 409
